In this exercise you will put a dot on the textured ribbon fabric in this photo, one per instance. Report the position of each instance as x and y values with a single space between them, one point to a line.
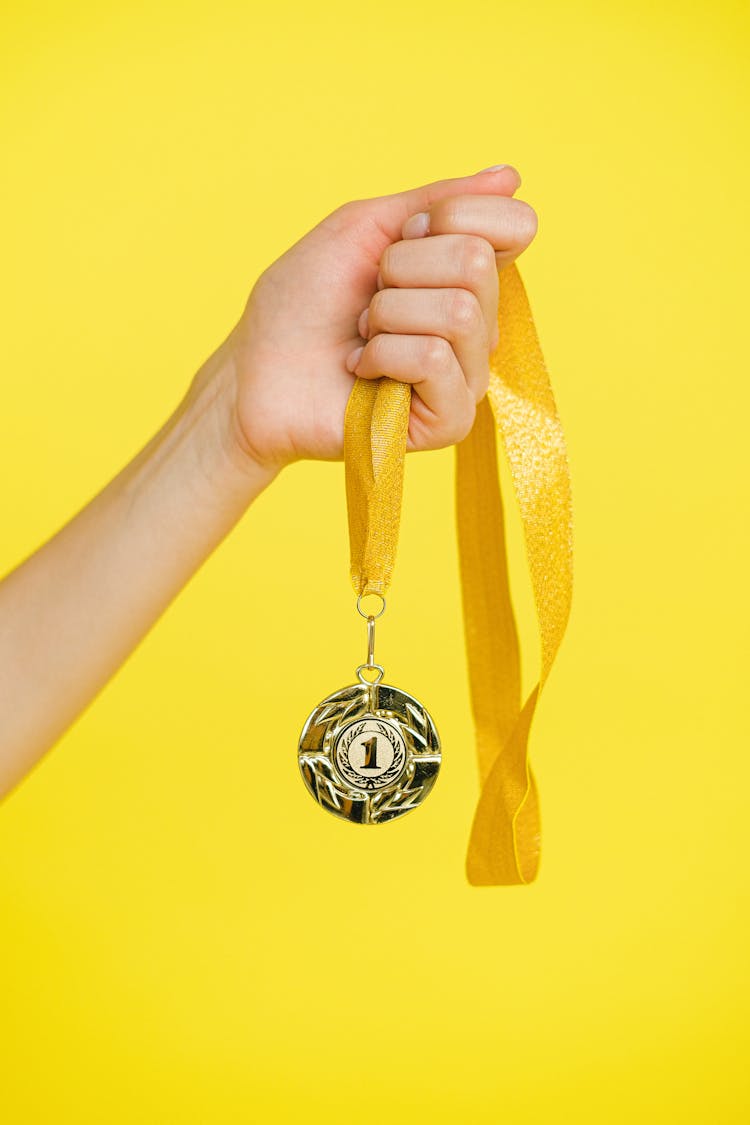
375 425
504 846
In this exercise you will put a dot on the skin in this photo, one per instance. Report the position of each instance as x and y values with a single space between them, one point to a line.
404 285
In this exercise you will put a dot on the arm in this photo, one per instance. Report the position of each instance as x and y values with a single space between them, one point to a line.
404 285
72 612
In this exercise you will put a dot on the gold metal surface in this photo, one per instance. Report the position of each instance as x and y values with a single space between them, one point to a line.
369 753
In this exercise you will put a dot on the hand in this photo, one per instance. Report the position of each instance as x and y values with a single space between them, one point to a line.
430 296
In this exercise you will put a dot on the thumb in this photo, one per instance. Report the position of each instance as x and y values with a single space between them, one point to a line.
392 211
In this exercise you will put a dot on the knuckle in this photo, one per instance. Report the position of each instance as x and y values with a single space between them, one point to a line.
450 211
526 221
463 420
350 208
344 216
438 354
377 349
464 312
477 259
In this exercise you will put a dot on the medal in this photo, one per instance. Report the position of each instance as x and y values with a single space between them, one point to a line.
370 752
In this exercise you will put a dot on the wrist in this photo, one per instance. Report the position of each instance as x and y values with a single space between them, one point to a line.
193 473
209 413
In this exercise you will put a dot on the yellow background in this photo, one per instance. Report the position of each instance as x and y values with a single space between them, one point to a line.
185 937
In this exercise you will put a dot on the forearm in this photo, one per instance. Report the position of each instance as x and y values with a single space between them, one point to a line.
72 612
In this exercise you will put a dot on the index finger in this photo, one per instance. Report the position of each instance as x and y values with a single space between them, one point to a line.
508 224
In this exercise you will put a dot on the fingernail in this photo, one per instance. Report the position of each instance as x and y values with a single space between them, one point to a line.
379 281
500 168
364 316
354 357
416 225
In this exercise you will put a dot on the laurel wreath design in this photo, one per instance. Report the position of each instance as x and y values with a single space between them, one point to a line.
349 738
396 765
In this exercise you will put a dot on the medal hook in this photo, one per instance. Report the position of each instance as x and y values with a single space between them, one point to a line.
370 639
370 665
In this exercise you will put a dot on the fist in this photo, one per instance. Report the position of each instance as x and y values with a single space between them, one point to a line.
433 320
404 285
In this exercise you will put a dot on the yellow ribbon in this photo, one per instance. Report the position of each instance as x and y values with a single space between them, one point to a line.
504 846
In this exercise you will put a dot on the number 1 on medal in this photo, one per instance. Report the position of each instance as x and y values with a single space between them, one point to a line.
371 753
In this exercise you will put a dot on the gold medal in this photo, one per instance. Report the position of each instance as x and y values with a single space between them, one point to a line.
369 752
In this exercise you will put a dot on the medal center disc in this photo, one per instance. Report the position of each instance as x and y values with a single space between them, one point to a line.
370 753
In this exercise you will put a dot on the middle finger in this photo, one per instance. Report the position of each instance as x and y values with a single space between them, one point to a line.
464 261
